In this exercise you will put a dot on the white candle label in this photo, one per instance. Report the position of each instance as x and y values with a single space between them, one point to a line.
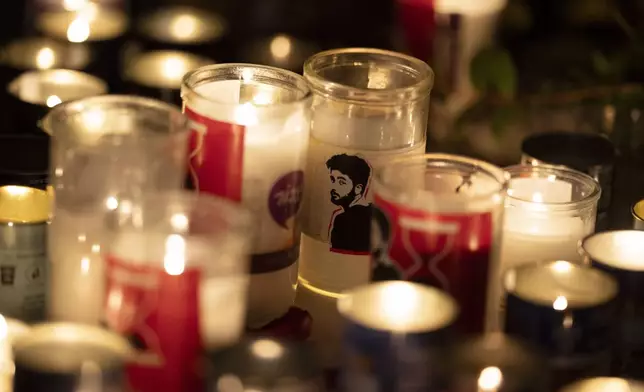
220 165
448 251
159 314
23 273
337 214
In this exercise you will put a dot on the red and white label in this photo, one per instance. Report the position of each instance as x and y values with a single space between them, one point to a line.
216 156
448 251
159 314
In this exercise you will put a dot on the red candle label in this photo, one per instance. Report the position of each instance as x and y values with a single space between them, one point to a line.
449 251
159 314
216 156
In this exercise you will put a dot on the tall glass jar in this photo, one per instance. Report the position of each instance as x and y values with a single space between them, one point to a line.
437 220
106 152
249 143
369 106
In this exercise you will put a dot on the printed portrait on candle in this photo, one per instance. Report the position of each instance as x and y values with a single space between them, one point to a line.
383 266
350 176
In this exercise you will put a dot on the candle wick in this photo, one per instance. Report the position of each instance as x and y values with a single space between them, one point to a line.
466 180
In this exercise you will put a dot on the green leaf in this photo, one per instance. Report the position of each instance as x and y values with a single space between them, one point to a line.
493 71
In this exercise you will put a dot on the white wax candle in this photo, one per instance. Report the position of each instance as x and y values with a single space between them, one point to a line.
273 147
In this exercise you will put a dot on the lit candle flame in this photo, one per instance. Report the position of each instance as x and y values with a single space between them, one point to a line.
267 349
174 261
174 68
78 30
45 58
280 47
490 379
561 303
184 26
537 197
74 5
562 266
399 303
53 100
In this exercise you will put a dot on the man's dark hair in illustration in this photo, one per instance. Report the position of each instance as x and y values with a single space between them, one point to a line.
353 166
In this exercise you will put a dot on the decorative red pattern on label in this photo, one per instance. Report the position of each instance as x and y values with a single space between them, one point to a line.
159 314
448 251
216 156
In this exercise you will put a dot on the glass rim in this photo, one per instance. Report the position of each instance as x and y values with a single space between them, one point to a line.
74 107
500 176
637 210
564 172
586 254
196 78
418 90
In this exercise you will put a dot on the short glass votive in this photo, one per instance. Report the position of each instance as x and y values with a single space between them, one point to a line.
548 210
437 220
105 151
249 144
177 276
32 94
620 253
638 215
605 384
589 153
569 311
159 74
402 329
369 106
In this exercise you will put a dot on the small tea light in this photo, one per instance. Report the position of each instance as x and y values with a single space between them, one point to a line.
495 363
638 215
264 365
621 254
605 384
281 50
394 323
89 23
52 87
33 93
160 73
566 309
44 53
182 25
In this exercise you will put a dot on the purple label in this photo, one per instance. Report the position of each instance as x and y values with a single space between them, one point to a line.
285 197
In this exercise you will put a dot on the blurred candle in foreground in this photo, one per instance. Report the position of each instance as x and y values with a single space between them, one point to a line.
621 254
250 137
69 358
107 151
395 335
569 311
605 384
177 276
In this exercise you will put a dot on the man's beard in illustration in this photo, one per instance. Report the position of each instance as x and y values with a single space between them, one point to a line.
343 201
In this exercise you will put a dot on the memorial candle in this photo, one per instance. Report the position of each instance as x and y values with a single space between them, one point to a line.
251 132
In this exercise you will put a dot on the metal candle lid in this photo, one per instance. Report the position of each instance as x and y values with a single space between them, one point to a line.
618 250
605 384
399 307
163 69
560 285
92 23
182 25
19 204
68 357
24 160
45 53
264 364
638 215
51 87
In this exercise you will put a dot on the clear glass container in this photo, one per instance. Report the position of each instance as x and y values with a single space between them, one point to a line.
549 209
105 151
437 220
177 277
369 106
249 144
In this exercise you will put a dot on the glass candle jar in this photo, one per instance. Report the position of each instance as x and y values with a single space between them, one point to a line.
437 220
250 138
369 106
105 151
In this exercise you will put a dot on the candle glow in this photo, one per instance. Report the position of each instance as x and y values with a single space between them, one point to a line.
45 58
163 69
